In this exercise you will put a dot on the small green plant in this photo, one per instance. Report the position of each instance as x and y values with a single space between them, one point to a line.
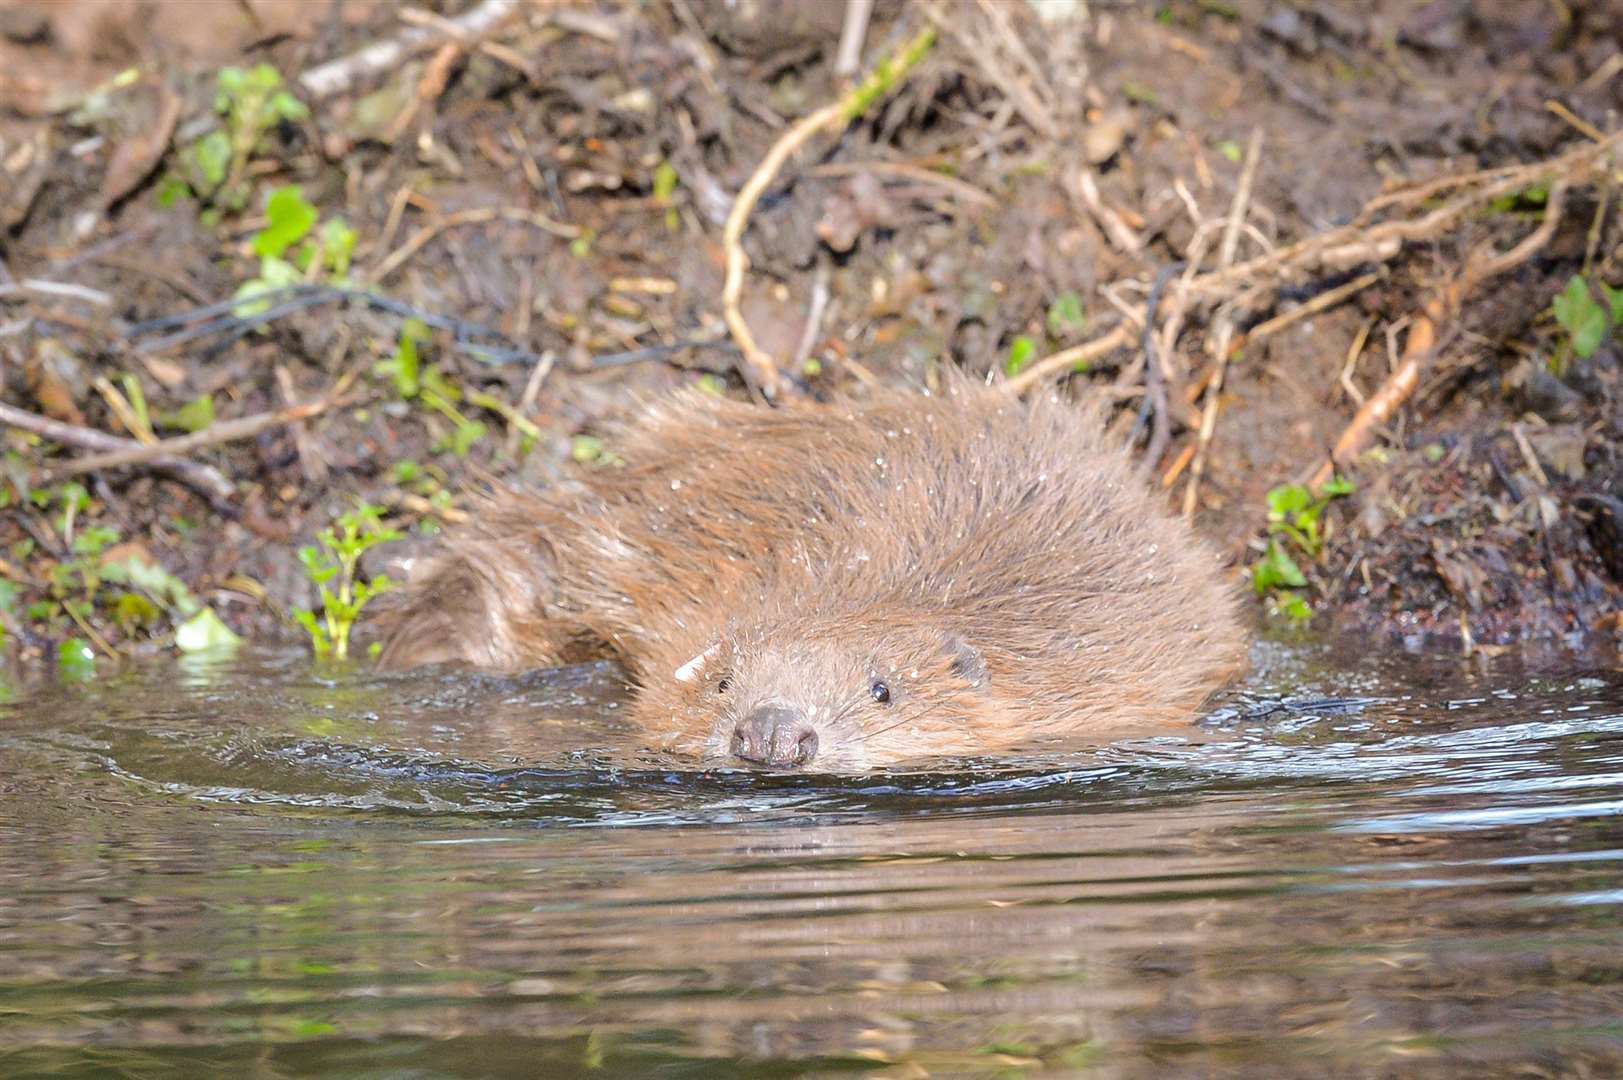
429 386
291 248
194 416
250 101
334 566
1585 319
1294 514
1065 321
78 587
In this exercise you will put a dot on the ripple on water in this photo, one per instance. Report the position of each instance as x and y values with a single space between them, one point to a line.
250 866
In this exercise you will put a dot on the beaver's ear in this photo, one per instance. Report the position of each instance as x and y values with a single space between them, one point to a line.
963 659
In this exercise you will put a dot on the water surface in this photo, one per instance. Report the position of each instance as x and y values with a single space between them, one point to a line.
251 867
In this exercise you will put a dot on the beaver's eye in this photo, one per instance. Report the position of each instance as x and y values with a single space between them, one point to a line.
723 685
880 692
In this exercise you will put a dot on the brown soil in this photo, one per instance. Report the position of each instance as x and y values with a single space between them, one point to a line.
944 223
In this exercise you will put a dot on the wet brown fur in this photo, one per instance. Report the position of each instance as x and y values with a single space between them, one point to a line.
995 564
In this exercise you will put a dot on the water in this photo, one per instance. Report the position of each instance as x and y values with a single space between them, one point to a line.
250 869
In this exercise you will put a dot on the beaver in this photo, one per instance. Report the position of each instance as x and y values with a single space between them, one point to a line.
903 576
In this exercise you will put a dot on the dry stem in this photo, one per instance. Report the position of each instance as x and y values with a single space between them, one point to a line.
1418 347
200 477
170 449
759 367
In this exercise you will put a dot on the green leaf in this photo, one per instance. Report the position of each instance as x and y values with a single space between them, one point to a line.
320 643
76 660
91 541
164 587
290 217
1066 319
212 156
1021 351
1292 606
231 82
585 449
284 106
435 382
1230 149
171 189
1337 486
132 611
274 274
1585 320
337 245
1287 499
465 435
407 379
1276 569
194 416
204 631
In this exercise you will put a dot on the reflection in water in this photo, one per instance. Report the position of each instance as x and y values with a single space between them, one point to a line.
250 868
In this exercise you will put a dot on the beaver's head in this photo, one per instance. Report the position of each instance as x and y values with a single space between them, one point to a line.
836 695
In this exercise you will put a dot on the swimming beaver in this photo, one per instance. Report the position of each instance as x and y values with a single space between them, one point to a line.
903 576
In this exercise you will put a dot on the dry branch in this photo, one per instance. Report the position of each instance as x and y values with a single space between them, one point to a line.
1419 346
333 78
203 479
1362 242
171 449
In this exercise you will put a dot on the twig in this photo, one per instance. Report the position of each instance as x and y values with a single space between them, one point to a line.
1354 351
476 216
532 391
758 366
1155 386
1121 235
515 419
311 463
1227 248
814 315
58 288
966 191
419 505
222 317
1418 347
1087 352
1577 122
848 57
127 414
219 432
1358 243
1329 298
202 478
1026 101
333 78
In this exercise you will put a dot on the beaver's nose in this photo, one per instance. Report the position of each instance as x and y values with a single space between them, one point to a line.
774 735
